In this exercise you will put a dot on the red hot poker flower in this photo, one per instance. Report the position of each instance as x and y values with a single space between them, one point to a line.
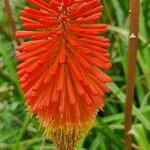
61 67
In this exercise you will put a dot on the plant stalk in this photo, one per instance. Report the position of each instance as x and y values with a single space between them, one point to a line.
21 133
11 20
132 56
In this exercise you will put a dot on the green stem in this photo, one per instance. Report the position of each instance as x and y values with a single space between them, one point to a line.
22 131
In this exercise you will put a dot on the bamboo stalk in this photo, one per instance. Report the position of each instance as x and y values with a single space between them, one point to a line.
11 20
132 55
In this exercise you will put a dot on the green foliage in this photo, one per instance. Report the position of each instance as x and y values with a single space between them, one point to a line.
18 131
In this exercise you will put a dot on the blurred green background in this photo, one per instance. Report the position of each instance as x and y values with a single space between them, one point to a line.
18 132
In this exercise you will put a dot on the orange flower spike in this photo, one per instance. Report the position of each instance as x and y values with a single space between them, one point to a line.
61 67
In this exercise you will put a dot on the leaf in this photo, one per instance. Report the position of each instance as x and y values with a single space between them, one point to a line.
141 137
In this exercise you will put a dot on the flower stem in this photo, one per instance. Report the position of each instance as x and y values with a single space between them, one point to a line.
133 42
11 20
21 133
